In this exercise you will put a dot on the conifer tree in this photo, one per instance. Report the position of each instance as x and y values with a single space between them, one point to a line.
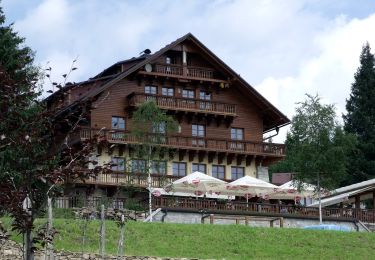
360 119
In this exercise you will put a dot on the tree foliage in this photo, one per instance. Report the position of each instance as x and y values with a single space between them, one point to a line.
317 145
360 119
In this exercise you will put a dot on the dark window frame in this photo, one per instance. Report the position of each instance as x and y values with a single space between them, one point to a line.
179 169
198 169
236 171
215 172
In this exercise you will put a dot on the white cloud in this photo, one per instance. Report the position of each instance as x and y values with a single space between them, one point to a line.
284 48
330 73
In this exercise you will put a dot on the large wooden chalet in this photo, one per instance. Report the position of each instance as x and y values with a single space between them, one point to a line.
222 119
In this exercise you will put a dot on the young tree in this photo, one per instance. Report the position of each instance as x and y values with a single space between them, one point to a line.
317 146
30 137
151 127
360 119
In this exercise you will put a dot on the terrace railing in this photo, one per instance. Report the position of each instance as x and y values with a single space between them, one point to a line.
187 142
184 104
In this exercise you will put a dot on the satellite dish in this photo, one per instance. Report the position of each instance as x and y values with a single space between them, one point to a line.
148 67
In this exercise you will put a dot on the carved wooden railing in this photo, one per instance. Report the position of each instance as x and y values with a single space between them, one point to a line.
130 179
190 71
187 142
367 216
223 206
184 104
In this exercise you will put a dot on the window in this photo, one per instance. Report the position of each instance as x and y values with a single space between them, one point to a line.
118 126
168 60
159 167
199 132
179 169
117 164
188 93
138 166
236 133
237 172
218 171
151 90
199 167
205 96
158 128
118 123
167 91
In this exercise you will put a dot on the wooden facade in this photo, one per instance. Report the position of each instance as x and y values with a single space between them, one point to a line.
194 86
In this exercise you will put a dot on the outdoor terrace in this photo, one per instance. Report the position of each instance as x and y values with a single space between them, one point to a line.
228 207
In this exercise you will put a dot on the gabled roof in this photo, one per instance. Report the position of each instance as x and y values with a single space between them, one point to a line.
272 117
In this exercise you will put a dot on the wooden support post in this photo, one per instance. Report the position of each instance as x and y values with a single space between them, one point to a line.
357 202
373 200
246 220
281 222
237 221
211 218
102 232
271 223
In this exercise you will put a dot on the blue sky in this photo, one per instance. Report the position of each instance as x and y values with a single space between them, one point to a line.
283 48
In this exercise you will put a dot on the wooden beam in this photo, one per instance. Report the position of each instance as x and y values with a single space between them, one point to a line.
192 155
201 155
211 156
230 158
220 158
181 154
249 159
121 149
240 158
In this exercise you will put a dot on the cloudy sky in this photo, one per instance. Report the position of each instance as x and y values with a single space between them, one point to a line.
283 48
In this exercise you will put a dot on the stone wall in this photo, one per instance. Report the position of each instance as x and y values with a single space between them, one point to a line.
196 218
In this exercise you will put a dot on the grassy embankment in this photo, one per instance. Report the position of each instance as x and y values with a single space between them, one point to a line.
214 241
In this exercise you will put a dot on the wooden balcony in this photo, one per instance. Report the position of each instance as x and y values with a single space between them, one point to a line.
185 104
129 179
189 142
183 72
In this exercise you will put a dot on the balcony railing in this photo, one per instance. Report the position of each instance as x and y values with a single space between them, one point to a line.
184 104
188 142
130 179
189 71
225 207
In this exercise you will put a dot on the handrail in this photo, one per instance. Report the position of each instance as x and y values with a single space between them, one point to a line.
181 103
188 142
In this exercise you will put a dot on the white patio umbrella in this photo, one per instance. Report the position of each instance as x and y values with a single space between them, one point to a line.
289 191
248 187
197 183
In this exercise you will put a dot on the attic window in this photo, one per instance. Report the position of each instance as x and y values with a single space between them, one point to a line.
168 60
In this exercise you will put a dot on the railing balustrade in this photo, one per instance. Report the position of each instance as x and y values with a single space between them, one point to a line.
186 142
191 71
186 104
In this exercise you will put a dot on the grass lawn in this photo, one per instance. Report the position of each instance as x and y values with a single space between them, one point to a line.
214 241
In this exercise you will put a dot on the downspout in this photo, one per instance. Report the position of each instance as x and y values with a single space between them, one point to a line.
277 132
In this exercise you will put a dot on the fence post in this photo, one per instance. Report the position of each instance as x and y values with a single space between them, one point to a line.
102 232
49 246
120 248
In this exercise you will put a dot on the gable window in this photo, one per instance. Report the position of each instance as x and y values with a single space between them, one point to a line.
237 172
199 167
218 171
165 91
159 167
118 164
198 132
188 93
179 169
138 166
158 127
